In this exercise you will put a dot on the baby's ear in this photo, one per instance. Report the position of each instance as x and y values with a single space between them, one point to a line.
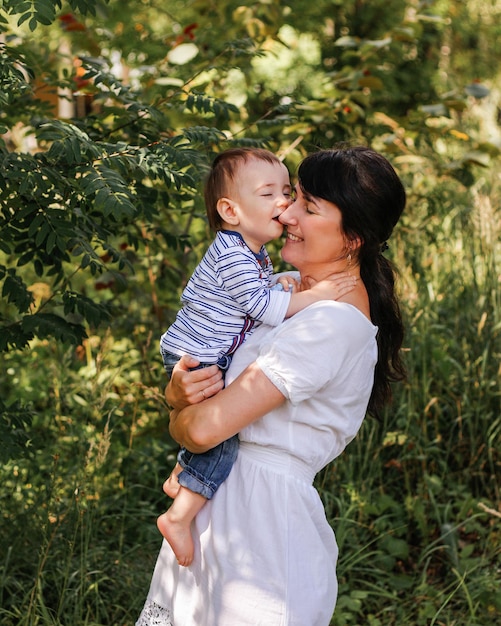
227 211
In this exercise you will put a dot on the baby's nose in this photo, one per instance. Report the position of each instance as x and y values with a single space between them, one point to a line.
284 201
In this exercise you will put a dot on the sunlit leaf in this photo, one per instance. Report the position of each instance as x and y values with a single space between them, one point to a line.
182 54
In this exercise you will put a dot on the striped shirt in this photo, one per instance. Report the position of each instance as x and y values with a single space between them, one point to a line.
229 288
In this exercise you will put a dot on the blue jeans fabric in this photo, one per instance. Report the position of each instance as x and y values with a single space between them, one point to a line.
204 473
171 359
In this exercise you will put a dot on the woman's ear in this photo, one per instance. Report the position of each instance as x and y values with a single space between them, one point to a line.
226 209
354 243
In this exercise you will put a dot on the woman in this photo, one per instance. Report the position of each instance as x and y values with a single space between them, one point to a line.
297 395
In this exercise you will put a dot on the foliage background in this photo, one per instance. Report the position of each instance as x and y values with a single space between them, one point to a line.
110 114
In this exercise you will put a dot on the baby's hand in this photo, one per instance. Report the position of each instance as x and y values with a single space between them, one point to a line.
288 283
334 287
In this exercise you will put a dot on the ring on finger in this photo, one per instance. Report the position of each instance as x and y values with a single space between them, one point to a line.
203 394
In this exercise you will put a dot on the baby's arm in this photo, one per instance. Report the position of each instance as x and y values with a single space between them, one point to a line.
332 288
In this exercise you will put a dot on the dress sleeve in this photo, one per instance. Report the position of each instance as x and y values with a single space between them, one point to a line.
313 347
249 286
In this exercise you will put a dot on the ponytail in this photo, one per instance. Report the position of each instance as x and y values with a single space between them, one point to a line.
378 276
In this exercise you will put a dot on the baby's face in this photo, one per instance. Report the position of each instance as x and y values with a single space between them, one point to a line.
261 191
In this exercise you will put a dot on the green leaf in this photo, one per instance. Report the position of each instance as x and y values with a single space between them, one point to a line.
73 153
25 258
15 423
5 246
35 224
42 234
45 325
12 336
15 291
23 19
94 313
45 11
50 244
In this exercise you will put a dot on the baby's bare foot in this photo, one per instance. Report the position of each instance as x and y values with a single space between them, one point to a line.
179 537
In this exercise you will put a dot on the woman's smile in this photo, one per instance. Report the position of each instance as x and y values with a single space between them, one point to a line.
292 237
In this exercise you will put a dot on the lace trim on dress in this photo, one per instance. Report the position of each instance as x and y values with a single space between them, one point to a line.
154 615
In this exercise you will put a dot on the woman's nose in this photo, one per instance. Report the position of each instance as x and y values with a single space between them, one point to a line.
287 216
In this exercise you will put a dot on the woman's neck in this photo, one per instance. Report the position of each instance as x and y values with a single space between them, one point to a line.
322 273
358 297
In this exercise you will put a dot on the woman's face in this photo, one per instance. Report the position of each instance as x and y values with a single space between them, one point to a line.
315 244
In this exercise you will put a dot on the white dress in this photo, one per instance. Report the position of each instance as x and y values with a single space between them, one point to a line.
265 554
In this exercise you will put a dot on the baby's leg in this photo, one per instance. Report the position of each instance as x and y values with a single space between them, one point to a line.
175 524
171 485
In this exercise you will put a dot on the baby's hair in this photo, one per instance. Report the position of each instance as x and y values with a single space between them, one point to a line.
223 171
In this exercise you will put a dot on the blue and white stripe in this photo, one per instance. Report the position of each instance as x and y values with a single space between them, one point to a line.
230 285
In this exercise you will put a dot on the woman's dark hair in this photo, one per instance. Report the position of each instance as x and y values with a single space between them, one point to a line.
223 171
371 198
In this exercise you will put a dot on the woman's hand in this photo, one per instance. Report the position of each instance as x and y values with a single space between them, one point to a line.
188 386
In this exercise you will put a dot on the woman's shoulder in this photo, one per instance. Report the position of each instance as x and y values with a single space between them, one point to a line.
320 326
341 314
316 346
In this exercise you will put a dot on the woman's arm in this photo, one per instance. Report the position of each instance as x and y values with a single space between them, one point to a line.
200 427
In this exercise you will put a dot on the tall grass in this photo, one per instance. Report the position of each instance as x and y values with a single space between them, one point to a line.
78 538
